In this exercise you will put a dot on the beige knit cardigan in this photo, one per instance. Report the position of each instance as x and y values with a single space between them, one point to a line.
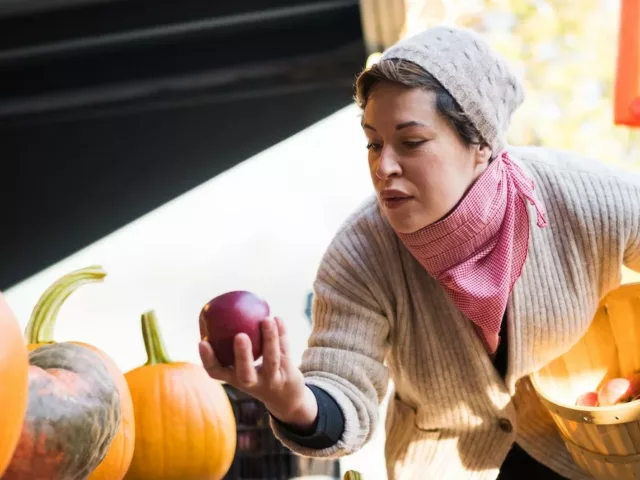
378 316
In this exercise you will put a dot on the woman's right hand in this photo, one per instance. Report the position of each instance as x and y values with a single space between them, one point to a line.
277 382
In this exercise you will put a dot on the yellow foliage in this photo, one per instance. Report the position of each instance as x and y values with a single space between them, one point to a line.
566 53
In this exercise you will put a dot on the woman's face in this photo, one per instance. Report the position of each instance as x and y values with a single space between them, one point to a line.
419 166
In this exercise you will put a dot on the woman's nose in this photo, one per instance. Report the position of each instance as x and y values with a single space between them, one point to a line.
388 165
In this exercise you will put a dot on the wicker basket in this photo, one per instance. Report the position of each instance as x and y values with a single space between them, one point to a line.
604 441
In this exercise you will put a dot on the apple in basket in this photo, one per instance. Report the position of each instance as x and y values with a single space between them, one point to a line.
614 391
589 399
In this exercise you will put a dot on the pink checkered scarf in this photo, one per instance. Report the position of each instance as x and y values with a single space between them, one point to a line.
477 252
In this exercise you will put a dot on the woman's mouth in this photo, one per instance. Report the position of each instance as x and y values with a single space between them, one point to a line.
395 202
394 198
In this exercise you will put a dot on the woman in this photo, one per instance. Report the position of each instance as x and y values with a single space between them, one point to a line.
474 265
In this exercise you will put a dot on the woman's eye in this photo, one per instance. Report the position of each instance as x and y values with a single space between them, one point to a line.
374 146
413 143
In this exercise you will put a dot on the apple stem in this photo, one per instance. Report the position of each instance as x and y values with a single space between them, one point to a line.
43 316
153 343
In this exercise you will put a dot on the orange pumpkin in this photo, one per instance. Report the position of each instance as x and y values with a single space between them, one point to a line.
185 426
39 332
14 366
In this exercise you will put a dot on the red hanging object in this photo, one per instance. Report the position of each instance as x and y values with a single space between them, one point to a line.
627 84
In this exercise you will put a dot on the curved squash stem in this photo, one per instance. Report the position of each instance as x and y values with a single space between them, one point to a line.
352 475
43 317
153 343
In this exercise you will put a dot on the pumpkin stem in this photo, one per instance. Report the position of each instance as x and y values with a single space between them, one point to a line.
153 343
43 317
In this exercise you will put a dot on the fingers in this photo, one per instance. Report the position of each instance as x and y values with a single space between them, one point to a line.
282 334
244 374
206 355
270 349
211 364
245 370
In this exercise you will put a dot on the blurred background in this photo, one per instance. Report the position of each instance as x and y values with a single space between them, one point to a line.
197 147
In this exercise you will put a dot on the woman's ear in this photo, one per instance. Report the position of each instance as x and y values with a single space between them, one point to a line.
483 153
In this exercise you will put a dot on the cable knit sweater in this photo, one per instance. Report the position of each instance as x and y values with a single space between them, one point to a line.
379 316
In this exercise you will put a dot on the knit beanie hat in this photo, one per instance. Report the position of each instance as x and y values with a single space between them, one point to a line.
480 81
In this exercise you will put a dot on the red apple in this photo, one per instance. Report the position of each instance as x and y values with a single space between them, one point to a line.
634 378
228 315
616 390
589 399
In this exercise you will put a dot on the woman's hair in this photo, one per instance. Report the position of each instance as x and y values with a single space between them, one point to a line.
409 74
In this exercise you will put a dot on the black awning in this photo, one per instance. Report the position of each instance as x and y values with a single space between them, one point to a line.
101 54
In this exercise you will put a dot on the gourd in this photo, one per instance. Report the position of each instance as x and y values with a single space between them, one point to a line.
14 366
72 416
40 331
352 475
185 425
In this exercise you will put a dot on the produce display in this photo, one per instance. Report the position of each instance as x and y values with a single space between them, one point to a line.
185 425
14 366
613 392
228 315
39 332
71 414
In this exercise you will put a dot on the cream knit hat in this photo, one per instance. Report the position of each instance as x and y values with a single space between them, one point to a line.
480 81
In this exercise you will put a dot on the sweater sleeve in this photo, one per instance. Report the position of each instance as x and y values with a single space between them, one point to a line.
349 341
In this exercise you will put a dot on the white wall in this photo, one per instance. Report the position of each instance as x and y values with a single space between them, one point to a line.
261 226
